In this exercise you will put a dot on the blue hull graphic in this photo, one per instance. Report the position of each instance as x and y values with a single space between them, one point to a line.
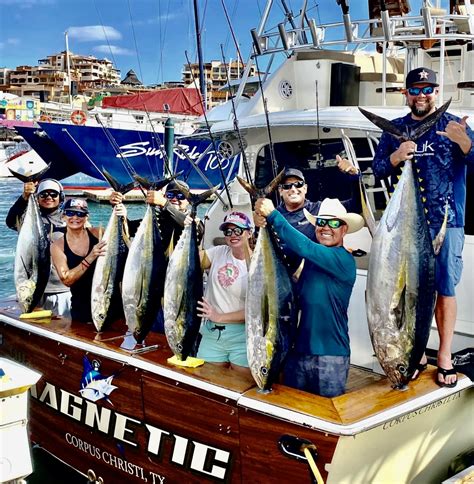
124 152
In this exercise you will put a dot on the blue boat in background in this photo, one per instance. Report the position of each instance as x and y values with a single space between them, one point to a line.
123 152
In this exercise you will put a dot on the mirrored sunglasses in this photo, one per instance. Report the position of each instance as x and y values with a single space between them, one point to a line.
415 91
334 223
236 230
71 213
177 195
50 194
289 186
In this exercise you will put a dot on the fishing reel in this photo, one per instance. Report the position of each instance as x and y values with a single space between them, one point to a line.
230 147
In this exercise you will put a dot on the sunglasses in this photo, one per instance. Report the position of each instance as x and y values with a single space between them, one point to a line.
177 195
415 91
334 223
47 194
72 213
236 230
289 186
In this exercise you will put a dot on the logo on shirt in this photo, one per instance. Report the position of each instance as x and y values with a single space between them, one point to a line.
227 275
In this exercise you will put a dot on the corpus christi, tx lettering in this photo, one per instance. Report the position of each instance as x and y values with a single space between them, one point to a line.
195 456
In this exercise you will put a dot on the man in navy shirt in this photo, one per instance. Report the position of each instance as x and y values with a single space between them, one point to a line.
440 156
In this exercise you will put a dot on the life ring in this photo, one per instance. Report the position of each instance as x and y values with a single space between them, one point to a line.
45 118
78 117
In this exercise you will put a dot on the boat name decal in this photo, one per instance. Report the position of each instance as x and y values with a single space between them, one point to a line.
420 411
193 455
142 148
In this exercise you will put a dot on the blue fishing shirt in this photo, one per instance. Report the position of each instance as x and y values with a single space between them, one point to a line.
440 166
325 288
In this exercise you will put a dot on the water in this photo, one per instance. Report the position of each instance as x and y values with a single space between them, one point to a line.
10 190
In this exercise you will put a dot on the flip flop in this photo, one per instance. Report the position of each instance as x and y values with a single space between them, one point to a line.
421 367
444 372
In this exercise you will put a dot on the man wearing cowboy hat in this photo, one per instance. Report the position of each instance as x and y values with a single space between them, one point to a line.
440 158
319 361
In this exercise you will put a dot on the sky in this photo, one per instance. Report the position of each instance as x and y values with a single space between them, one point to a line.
148 36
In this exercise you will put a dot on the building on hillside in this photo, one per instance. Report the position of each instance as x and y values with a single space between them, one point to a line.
216 74
49 80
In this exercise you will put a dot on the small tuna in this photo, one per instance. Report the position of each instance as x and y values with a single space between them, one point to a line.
32 257
269 306
183 287
144 273
106 299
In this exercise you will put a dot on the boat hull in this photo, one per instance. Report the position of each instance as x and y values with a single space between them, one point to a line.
155 421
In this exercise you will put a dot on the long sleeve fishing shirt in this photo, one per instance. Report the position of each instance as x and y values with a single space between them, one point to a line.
440 166
325 287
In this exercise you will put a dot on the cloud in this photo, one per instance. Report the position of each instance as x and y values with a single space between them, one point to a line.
116 50
9 42
155 19
93 33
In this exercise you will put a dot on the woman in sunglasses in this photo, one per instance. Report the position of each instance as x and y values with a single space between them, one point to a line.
319 361
50 195
222 308
75 255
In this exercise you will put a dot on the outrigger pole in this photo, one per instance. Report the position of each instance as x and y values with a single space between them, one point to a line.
202 83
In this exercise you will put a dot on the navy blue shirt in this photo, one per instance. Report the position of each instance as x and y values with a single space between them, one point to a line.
440 165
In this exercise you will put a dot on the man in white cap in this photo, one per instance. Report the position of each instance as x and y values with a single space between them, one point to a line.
440 159
319 361
50 195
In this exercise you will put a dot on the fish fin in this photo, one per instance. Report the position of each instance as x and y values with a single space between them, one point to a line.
170 247
156 184
118 187
439 239
274 183
429 122
383 124
366 210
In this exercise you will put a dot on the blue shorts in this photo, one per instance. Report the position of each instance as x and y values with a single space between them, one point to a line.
223 343
323 375
449 261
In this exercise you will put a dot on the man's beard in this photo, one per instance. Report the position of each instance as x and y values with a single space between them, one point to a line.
424 111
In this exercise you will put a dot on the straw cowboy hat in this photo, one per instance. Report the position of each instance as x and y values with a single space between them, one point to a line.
333 208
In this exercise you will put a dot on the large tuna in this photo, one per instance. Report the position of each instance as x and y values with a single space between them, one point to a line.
183 288
401 274
106 298
144 274
269 306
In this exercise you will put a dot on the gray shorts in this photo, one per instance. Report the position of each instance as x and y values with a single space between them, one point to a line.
319 374
449 261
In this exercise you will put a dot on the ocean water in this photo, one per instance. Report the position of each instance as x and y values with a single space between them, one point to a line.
10 190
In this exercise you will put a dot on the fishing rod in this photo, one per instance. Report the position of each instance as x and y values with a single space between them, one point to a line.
232 32
267 119
236 123
213 141
319 157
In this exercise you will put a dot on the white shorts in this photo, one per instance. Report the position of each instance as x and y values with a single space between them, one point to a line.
59 303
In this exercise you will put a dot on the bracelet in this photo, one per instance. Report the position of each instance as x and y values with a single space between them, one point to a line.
85 263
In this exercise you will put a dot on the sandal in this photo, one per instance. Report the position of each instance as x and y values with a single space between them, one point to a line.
444 373
421 367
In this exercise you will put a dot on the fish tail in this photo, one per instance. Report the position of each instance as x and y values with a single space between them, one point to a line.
274 183
116 185
33 177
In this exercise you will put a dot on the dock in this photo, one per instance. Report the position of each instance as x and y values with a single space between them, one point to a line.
102 195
